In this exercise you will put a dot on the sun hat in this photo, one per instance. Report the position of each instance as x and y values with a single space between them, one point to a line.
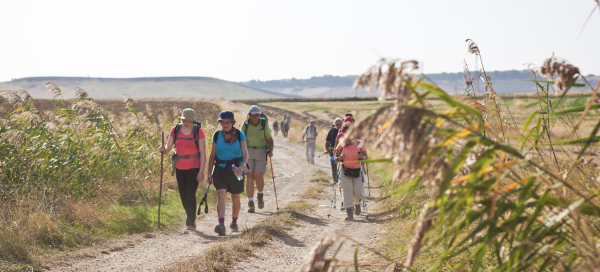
254 110
188 114
226 115
312 122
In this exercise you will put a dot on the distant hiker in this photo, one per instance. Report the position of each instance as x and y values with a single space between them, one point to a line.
311 133
351 180
188 161
275 127
260 145
330 144
347 120
285 125
229 154
349 114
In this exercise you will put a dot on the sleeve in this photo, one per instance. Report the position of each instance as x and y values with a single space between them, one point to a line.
339 147
242 136
316 130
243 126
212 141
268 131
201 134
328 138
172 133
304 131
363 148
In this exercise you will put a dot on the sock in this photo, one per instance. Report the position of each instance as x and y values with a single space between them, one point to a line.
221 221
233 220
260 193
251 199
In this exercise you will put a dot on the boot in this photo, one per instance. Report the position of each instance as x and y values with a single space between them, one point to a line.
251 207
261 202
350 216
342 207
357 209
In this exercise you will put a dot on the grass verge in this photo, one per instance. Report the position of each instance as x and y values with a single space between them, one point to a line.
222 255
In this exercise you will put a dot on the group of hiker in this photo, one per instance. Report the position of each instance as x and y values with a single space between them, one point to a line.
235 152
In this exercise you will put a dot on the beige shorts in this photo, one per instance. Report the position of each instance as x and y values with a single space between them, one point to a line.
257 160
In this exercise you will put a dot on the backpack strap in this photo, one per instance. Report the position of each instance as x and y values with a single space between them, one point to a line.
216 136
177 129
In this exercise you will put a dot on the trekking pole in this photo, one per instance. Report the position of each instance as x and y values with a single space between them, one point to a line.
204 201
364 198
162 155
368 178
334 192
273 176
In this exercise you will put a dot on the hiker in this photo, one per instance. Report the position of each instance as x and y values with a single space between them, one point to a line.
347 120
260 145
285 125
188 161
275 127
311 133
330 143
229 152
351 180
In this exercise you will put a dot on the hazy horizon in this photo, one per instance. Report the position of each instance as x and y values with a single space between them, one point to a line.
269 40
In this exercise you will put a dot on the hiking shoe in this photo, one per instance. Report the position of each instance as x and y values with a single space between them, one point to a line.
193 227
251 207
350 216
220 229
357 209
188 229
261 202
342 207
233 226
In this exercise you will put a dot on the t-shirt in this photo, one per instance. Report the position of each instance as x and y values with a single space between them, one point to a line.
310 133
351 153
227 151
331 136
186 148
257 137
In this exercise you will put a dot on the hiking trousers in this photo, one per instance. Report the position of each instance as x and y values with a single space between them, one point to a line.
334 171
352 188
187 183
310 146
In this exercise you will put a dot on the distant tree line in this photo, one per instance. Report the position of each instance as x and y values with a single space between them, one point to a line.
341 81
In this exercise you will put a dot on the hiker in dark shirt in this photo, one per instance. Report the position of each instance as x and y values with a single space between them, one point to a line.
330 143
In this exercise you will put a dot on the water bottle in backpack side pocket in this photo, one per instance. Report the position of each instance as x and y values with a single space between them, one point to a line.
239 177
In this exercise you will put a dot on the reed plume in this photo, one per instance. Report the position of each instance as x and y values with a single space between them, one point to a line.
565 72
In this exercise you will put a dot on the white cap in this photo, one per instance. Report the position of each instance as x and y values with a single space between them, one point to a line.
254 110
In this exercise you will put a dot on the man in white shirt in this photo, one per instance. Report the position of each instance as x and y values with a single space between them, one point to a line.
310 132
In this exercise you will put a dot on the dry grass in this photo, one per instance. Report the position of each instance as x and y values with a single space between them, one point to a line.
222 255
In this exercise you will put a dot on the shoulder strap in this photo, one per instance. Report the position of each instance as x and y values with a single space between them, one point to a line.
263 122
245 125
239 136
216 136
177 129
195 131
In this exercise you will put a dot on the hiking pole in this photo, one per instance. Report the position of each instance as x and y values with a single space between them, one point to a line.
162 155
334 192
204 201
364 198
273 176
368 178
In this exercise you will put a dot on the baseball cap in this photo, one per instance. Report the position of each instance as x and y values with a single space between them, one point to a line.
254 110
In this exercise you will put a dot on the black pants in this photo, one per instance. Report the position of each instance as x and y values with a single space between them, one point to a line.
187 183
334 170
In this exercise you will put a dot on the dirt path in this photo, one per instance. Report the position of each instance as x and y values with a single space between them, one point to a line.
152 251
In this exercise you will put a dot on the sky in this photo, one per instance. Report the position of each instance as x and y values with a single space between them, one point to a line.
266 40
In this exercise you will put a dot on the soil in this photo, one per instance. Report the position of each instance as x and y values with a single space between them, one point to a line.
152 251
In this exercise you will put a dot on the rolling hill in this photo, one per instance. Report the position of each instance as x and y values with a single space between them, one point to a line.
157 87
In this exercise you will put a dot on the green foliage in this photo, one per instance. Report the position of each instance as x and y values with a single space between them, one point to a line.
491 202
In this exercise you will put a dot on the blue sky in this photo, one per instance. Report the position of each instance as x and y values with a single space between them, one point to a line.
244 40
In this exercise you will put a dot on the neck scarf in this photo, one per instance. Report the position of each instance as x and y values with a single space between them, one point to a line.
229 137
